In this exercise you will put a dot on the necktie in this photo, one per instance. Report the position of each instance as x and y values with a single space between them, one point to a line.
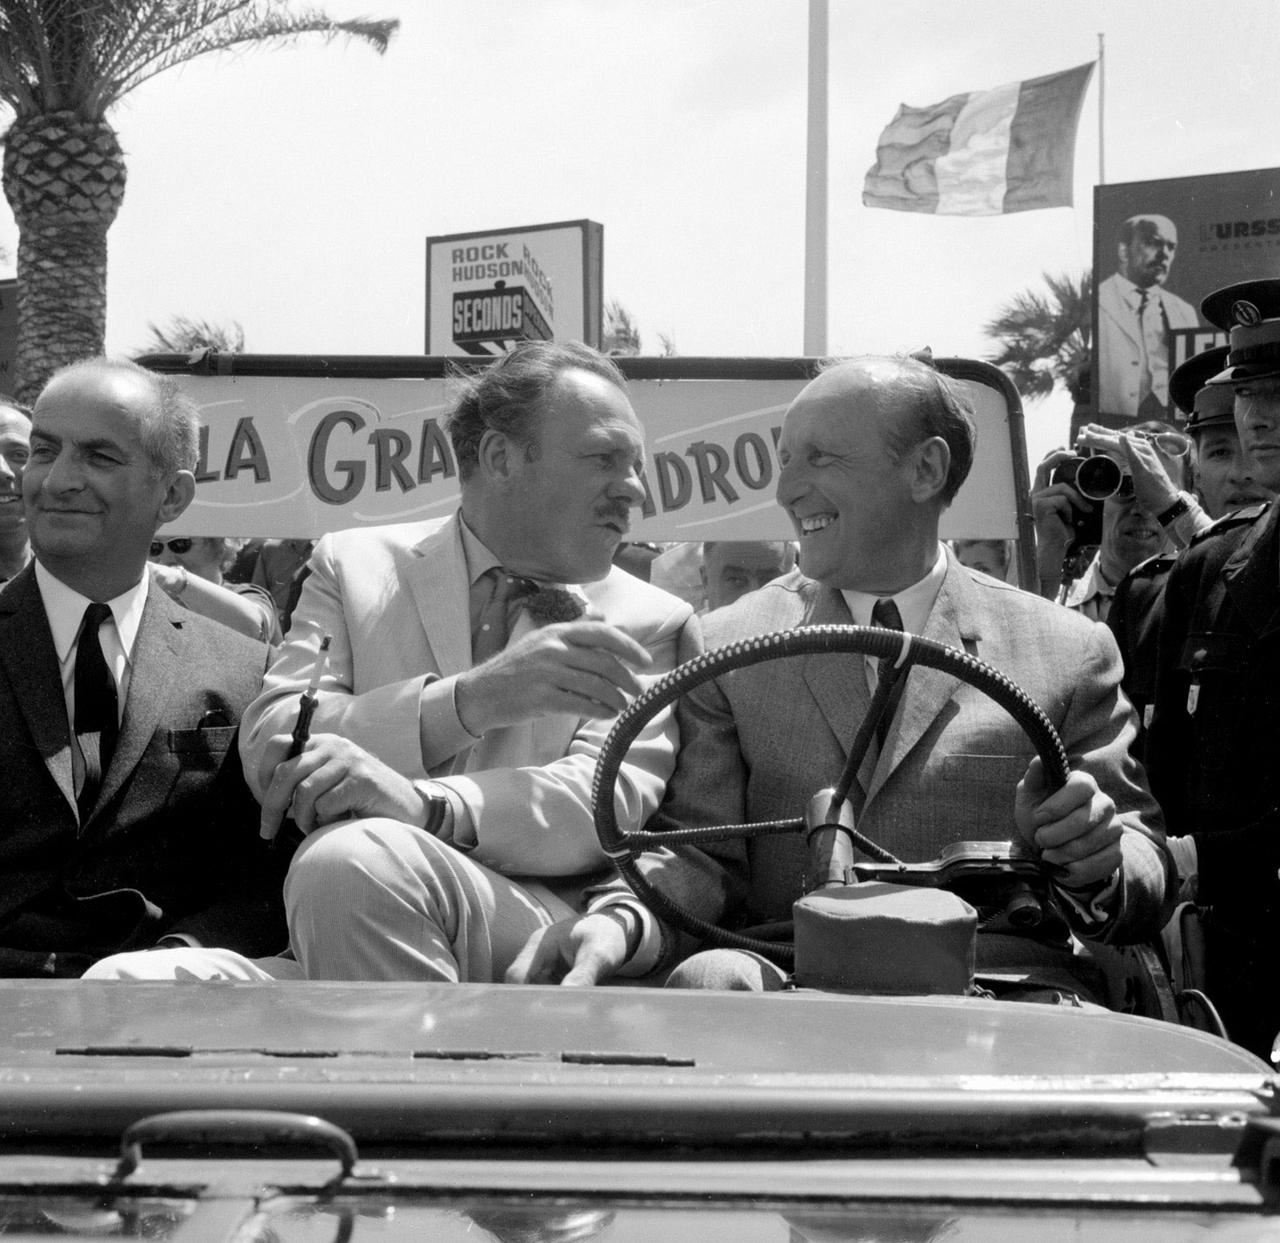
884 613
1144 360
97 717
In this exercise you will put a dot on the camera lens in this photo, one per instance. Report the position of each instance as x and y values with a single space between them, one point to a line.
1098 478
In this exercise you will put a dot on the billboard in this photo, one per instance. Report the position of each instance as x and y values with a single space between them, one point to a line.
1158 248
486 291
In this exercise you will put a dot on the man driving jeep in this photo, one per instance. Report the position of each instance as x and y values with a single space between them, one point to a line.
872 452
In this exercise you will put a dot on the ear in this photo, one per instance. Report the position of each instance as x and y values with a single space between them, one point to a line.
928 466
180 492
496 454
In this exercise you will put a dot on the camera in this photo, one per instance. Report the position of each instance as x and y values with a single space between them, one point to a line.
1095 478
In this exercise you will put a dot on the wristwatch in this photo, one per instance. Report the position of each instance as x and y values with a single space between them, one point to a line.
1180 506
438 813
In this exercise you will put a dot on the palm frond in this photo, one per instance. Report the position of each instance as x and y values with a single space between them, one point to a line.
83 56
181 334
1044 337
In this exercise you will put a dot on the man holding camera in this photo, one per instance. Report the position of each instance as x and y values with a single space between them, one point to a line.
1130 510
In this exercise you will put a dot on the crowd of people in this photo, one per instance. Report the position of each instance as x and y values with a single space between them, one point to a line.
161 820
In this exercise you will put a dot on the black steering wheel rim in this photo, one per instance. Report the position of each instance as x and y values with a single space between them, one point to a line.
905 650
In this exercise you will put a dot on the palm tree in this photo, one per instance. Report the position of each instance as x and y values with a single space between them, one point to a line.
1044 338
184 335
64 65
621 332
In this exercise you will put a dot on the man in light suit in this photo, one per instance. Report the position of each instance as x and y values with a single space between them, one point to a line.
135 827
871 453
1135 314
446 786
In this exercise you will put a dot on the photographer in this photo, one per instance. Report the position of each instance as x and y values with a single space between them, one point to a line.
1146 512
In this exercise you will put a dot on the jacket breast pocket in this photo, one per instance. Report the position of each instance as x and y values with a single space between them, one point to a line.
215 740
1003 770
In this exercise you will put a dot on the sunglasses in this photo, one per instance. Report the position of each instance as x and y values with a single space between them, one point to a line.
180 545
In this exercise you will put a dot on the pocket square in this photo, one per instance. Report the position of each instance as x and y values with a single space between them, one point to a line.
553 604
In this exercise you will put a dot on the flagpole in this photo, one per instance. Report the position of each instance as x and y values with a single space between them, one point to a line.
815 207
1102 99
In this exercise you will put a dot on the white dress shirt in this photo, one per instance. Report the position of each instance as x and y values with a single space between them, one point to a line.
915 603
64 607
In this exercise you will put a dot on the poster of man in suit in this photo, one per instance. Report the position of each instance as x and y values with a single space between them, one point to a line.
1159 247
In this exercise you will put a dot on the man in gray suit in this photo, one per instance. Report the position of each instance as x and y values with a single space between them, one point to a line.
872 452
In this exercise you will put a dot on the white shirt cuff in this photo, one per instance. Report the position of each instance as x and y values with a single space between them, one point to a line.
1187 860
647 952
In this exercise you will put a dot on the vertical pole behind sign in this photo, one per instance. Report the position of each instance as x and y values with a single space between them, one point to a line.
815 211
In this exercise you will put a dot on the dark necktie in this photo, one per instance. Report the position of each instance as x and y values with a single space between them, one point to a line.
97 719
884 613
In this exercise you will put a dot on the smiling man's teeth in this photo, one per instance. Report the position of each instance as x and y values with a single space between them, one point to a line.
818 523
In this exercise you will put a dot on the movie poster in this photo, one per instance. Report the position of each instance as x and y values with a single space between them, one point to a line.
1159 247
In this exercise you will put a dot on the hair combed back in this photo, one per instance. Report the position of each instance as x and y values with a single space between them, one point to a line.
509 395
939 408
169 428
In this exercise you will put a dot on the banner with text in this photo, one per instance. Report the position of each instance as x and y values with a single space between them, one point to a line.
296 457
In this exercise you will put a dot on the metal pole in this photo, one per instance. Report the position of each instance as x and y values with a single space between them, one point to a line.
1102 97
815 208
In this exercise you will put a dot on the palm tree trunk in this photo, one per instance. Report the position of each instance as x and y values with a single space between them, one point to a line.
64 178
62 304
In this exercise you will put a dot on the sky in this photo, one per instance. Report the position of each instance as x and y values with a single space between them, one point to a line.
293 189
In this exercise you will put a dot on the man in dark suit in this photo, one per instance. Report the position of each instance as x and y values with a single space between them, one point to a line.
125 820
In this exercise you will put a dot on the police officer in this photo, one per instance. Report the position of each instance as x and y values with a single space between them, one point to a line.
1225 480
1215 732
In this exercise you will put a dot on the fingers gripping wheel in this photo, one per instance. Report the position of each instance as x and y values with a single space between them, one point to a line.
903 650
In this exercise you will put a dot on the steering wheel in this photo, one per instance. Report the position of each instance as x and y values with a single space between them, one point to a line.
898 652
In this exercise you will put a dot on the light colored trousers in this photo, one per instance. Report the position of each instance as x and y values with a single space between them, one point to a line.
374 900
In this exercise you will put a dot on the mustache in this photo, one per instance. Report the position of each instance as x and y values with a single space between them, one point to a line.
618 511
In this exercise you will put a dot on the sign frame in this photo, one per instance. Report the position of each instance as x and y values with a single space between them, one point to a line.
587 327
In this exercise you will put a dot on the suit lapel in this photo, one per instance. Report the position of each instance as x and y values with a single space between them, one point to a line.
156 665
31 663
442 594
1250 575
953 620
